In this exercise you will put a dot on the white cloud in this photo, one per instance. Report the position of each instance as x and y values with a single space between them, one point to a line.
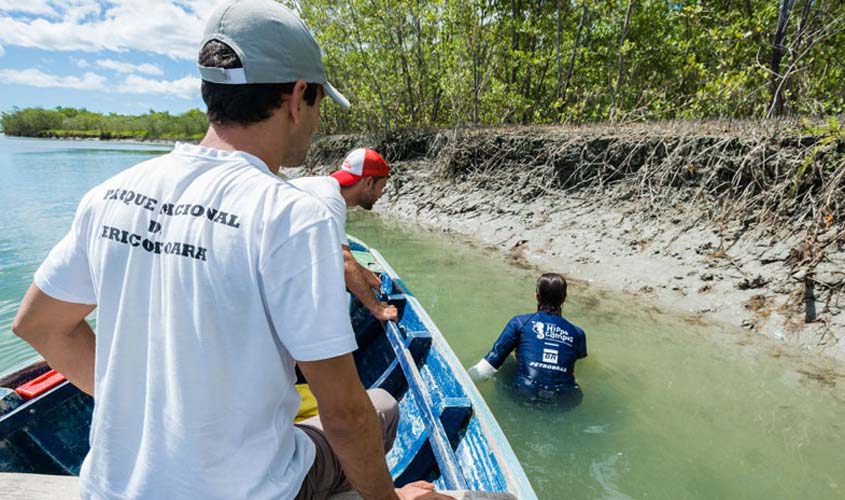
186 88
30 7
79 63
156 26
122 67
37 78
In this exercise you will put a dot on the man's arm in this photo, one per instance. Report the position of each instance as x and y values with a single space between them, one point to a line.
358 283
59 332
351 426
350 423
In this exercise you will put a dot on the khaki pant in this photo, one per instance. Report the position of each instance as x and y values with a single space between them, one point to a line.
326 477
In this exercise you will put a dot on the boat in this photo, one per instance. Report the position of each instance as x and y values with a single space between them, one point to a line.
447 435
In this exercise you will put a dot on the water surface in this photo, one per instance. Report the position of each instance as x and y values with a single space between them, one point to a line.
41 182
672 409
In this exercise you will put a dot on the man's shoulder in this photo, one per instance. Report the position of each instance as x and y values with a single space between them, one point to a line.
314 181
322 185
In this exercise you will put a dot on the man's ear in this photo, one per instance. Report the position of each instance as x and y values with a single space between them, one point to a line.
296 100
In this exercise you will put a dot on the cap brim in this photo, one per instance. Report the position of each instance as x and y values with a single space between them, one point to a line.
334 94
345 178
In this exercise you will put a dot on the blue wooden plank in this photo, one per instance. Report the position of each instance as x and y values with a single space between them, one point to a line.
443 453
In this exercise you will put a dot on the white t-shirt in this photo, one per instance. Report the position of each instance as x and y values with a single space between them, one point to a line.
327 190
211 276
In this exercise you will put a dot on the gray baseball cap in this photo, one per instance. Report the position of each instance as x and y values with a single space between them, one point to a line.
272 42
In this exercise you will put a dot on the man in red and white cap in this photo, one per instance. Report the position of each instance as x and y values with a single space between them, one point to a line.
358 183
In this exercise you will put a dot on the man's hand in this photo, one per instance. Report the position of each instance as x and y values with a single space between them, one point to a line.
385 312
420 490
361 282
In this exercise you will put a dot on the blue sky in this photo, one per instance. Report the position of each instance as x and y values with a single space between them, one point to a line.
107 56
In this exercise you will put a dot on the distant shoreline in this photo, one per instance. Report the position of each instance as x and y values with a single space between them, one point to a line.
81 124
125 140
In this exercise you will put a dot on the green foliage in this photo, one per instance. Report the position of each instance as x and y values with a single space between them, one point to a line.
495 62
829 135
71 122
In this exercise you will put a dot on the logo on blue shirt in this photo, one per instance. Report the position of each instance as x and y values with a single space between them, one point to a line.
551 331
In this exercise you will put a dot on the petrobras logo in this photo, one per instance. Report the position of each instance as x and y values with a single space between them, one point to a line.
547 366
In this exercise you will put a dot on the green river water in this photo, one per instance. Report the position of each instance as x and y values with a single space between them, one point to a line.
673 409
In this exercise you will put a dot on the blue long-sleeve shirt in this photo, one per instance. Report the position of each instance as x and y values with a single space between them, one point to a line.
546 346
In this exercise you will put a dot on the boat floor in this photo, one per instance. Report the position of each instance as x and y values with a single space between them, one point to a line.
16 486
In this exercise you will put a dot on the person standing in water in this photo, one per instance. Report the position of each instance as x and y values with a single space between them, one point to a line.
547 346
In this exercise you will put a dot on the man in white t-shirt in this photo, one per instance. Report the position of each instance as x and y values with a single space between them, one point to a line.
358 183
211 278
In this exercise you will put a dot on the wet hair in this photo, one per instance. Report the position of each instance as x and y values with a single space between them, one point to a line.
242 104
551 292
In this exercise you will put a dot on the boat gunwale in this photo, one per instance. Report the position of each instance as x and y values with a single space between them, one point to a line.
499 444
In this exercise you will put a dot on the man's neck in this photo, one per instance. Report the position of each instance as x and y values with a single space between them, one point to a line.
348 195
256 140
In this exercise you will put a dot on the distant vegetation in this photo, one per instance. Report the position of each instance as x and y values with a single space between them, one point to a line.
75 123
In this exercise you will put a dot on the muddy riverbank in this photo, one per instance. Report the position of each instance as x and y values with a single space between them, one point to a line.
738 223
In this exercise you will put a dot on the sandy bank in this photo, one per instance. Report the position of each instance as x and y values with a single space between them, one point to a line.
616 232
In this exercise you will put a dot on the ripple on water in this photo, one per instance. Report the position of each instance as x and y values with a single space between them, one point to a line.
596 429
606 474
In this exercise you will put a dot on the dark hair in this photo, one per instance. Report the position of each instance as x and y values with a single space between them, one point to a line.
245 103
551 292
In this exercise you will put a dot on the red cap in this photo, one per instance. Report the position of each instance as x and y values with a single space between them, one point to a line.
359 163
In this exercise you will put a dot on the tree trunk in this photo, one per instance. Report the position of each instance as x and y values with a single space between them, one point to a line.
557 53
799 45
516 16
571 66
386 116
406 71
621 62
778 103
422 81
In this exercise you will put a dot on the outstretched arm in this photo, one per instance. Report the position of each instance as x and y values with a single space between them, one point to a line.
490 364
361 282
59 332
